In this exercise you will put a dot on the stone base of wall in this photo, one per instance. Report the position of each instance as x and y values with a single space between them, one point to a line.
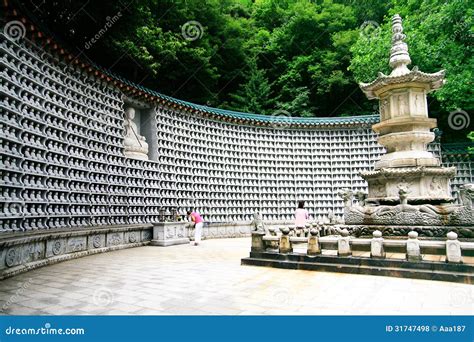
21 252
24 251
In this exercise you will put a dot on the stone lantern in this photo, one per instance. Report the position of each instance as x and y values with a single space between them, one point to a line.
404 130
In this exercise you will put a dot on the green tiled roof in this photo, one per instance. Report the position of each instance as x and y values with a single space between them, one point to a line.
278 119
457 148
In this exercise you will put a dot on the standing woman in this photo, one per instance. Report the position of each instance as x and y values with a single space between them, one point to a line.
301 215
198 223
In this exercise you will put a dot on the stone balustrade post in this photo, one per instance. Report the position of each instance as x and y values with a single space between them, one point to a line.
258 244
413 247
285 243
453 248
313 243
343 244
376 245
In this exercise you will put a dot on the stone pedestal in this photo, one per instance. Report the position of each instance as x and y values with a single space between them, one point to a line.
170 233
423 184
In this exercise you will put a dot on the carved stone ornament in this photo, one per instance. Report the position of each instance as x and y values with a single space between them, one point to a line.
169 233
115 239
76 245
57 246
346 195
258 225
407 214
436 187
96 241
10 257
132 237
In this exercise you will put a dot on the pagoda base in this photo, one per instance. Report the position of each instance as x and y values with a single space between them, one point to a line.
408 215
421 184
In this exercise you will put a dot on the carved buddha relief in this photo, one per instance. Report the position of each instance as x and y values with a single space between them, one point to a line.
134 143
436 186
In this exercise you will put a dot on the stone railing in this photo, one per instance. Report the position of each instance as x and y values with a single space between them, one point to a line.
285 241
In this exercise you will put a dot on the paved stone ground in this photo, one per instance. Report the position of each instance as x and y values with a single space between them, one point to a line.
209 279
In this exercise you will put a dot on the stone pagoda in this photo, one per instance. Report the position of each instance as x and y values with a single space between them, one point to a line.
404 130
408 188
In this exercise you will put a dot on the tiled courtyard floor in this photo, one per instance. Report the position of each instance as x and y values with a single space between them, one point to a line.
209 279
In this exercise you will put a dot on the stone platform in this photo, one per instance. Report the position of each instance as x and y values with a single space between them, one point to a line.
209 280
24 251
459 273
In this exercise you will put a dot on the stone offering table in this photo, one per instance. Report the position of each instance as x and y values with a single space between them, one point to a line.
170 233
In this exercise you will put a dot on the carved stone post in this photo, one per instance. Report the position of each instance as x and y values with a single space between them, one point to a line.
453 248
285 243
346 195
343 244
313 243
257 242
376 245
413 247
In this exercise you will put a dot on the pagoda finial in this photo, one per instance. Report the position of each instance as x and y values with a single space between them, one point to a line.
399 56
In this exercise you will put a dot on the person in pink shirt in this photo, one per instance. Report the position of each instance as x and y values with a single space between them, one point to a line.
198 223
301 215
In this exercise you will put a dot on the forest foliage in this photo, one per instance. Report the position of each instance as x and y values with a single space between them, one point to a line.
299 56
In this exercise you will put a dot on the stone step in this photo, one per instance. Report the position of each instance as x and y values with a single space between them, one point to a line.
459 273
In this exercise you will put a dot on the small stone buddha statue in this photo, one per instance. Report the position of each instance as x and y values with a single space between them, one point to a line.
135 144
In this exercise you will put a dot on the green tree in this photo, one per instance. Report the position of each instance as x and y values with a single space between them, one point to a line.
299 105
439 36
254 95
